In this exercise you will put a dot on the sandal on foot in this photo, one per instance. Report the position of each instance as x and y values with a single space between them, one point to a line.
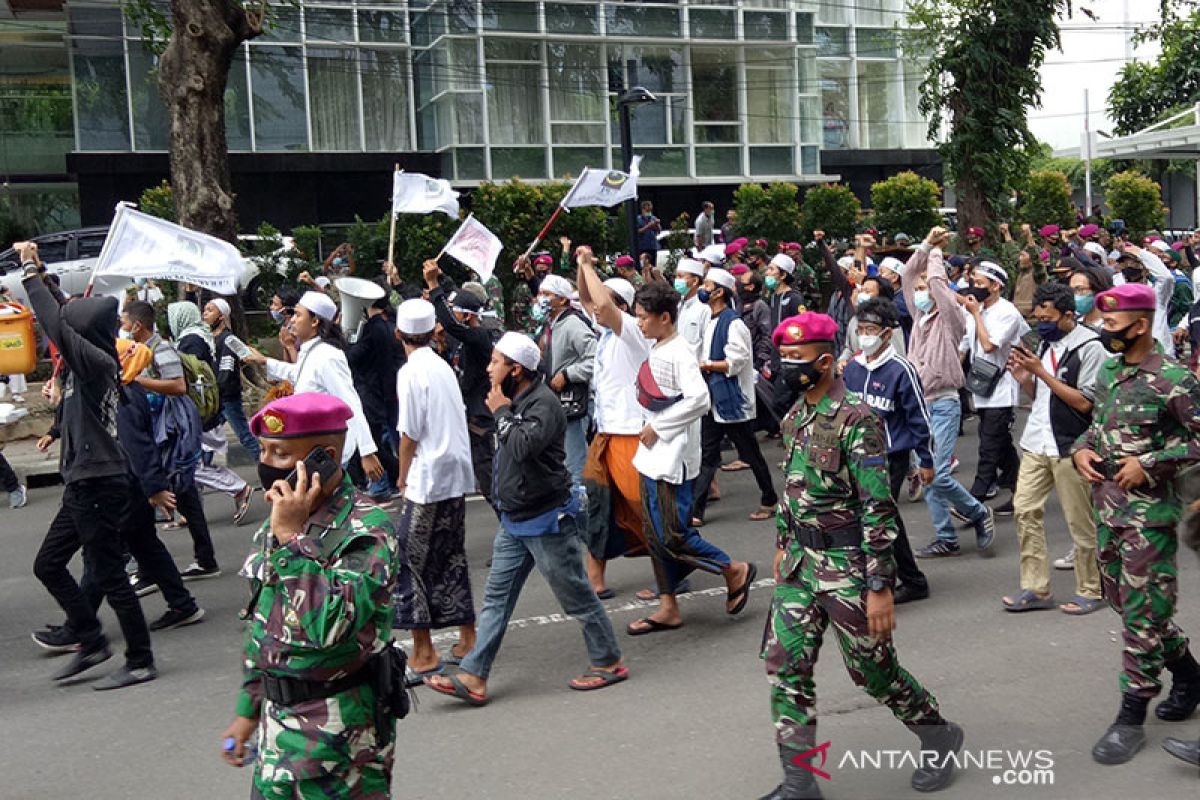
652 626
1027 601
607 678
459 691
763 513
650 595
742 593
735 466
1083 605
606 594
415 677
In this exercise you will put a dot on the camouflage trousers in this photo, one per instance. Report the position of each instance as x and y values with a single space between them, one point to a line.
1138 578
795 628
323 750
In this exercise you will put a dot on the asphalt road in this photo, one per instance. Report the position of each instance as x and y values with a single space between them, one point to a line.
691 723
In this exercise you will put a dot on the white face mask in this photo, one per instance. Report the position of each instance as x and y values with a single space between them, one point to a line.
871 343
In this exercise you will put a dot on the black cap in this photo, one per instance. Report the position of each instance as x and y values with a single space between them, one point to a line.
466 301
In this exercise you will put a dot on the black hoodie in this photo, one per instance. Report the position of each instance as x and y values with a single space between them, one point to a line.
84 332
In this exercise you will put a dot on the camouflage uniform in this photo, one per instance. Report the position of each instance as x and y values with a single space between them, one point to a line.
495 293
836 476
1149 410
323 606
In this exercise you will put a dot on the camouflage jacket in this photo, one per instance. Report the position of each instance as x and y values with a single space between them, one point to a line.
836 477
495 294
1151 411
323 602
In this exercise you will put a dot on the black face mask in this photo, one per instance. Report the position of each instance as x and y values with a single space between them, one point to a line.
508 385
1120 340
799 376
749 296
977 292
1132 274
267 474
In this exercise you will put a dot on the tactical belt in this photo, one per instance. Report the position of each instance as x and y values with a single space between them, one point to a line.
290 691
816 538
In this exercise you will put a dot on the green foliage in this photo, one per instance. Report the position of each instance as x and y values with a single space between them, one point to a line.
1045 199
153 20
1136 199
1073 168
906 203
158 201
832 208
308 242
769 212
12 227
678 241
1144 93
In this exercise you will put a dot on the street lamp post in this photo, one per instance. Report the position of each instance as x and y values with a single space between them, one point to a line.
636 96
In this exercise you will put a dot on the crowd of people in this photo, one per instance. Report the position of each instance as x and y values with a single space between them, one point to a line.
592 420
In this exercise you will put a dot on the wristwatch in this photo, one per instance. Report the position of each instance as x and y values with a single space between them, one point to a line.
876 583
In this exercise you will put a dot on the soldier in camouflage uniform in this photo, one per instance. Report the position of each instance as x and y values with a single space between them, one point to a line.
323 578
1144 431
834 564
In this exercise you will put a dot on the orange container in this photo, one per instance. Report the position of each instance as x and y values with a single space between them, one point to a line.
18 348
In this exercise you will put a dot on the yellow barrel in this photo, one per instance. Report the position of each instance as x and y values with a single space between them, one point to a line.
18 348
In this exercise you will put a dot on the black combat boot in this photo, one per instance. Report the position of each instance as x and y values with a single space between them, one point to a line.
936 772
798 783
1185 690
1184 750
1126 735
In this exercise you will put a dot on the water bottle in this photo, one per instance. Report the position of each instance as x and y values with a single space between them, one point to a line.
249 752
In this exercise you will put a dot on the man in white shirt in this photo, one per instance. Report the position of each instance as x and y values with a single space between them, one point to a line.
434 588
693 314
1138 266
1062 383
998 326
726 360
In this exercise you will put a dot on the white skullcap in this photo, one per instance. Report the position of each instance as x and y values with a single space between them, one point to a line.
320 305
990 269
521 349
415 317
623 288
721 278
322 281
221 306
1160 245
690 266
713 254
1095 248
846 262
892 263
556 284
785 262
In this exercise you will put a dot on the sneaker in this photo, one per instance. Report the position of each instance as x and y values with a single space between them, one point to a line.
82 662
991 492
195 572
241 504
1005 509
142 586
177 619
985 530
125 676
19 398
939 548
916 489
18 498
1067 561
56 639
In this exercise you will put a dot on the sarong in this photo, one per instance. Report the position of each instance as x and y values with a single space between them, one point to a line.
614 508
434 588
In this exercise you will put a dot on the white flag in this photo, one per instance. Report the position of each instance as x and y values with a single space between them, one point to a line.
414 193
603 187
477 247
142 246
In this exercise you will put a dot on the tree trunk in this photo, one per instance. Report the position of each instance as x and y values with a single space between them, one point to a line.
193 72
973 207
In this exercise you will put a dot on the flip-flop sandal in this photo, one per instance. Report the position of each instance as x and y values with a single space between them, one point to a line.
763 513
735 466
451 659
606 594
742 593
696 522
243 506
650 595
1083 605
1028 601
175 525
606 679
652 626
459 691
414 678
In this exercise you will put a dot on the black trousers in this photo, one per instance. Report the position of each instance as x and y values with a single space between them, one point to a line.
191 507
8 478
140 534
998 459
742 436
907 571
482 433
90 519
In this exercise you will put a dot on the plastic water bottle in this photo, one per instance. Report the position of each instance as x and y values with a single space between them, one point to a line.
249 752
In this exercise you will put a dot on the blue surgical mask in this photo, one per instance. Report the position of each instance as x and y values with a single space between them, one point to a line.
862 298
703 295
922 300
277 315
540 309
681 286
1084 303
340 262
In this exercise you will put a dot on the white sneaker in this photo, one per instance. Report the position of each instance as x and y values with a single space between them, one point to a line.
1067 561
19 497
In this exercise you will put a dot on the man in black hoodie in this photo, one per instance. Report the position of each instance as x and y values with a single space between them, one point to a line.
95 472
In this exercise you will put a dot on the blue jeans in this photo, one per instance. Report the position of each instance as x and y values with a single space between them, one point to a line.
576 444
235 415
945 491
560 560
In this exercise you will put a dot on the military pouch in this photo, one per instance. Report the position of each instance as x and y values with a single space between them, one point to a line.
388 671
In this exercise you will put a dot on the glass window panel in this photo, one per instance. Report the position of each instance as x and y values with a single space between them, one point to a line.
718 161
711 23
771 160
877 12
659 69
385 99
916 130
507 15
804 28
807 74
875 43
764 25
577 82
810 160
468 112
101 101
282 24
577 134
647 124
879 99
511 50
678 106
833 42
150 122
572 18
832 12
770 97
381 26
718 134
714 82
423 73
572 160
277 77
462 17
518 162
636 19
427 130
87 21
835 104
470 164
810 119
333 99
464 63
659 162
329 24
515 105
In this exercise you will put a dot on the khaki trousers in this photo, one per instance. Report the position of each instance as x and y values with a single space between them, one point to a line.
1038 475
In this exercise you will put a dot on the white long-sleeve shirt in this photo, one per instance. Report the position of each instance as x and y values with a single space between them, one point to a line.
321 367
1164 287
739 355
675 457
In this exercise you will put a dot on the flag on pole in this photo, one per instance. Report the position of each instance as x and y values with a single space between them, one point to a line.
414 193
475 246
142 246
603 187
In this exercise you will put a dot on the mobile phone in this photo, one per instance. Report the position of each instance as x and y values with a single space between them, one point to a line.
317 462
239 348
1031 341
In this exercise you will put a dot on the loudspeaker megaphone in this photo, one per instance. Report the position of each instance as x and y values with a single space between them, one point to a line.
357 295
